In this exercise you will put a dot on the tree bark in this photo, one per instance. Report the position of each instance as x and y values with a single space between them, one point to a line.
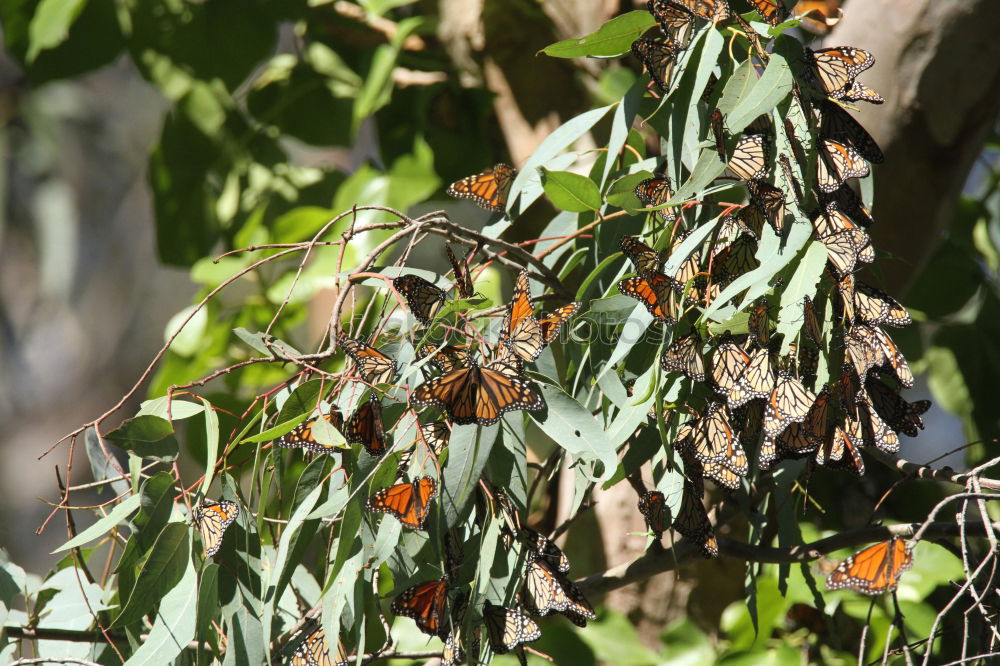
938 67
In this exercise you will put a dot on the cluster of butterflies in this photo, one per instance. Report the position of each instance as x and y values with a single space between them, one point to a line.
756 399
466 387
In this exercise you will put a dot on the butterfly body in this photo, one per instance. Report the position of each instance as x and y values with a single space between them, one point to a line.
422 297
873 570
427 605
409 502
213 518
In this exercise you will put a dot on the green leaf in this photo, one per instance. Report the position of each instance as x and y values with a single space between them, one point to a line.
162 570
122 510
169 409
208 600
377 87
51 23
468 450
211 445
103 464
622 191
173 623
768 91
802 283
570 191
259 341
570 425
148 437
612 39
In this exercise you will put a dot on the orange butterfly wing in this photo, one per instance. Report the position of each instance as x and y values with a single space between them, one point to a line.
652 290
488 189
365 427
426 604
874 570
408 502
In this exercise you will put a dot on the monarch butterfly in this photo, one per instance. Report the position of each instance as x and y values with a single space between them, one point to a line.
735 259
799 439
488 189
365 426
544 549
653 507
423 298
877 431
427 605
549 591
446 358
846 244
302 435
684 355
435 436
843 447
463 281
838 163
658 56
771 202
521 331
901 415
653 289
506 362
508 628
716 124
845 200
874 570
213 518
476 394
690 265
863 349
551 322
788 403
759 322
373 366
837 66
772 11
811 322
728 363
675 21
692 522
838 125
879 308
315 651
749 160
409 502
710 10
894 358
710 439
655 192
642 256
755 382
859 92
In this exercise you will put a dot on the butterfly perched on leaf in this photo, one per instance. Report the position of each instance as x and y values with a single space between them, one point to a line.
837 163
846 243
772 11
477 394
655 291
488 189
422 297
303 435
692 522
409 502
463 280
789 402
653 507
314 650
685 355
711 440
658 56
427 605
655 192
540 547
874 570
676 17
750 157
213 518
508 628
549 591
447 358
521 331
642 256
837 66
373 366
365 426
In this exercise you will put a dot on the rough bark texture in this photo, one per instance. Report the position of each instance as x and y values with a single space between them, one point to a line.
938 66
